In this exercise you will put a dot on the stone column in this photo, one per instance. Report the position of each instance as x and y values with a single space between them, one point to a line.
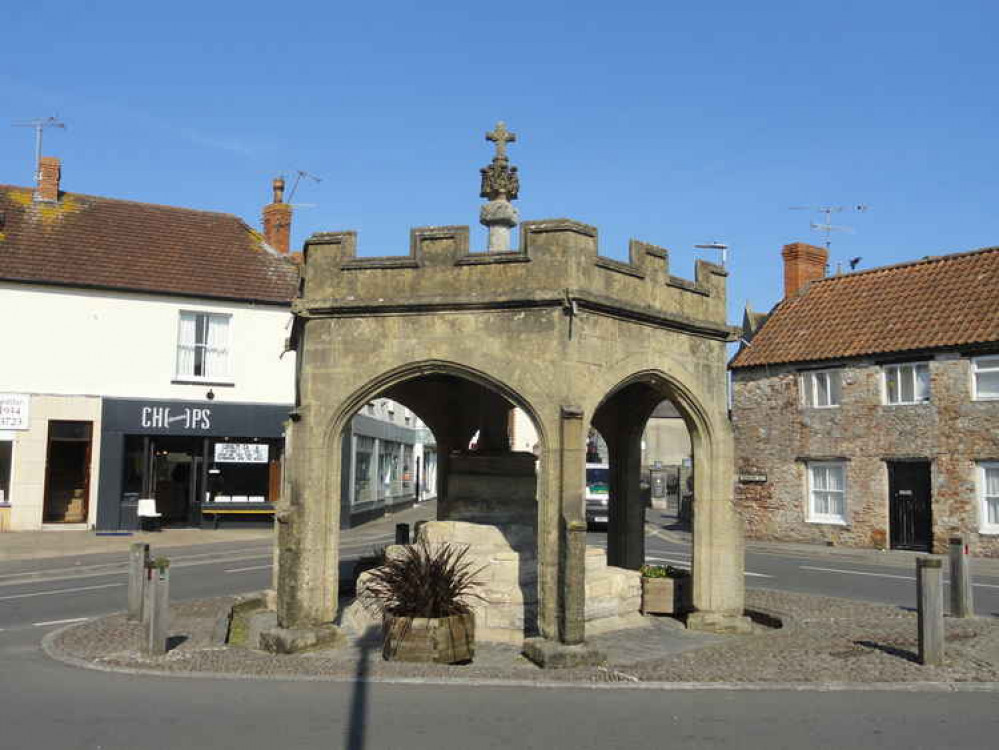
308 527
572 547
626 530
719 546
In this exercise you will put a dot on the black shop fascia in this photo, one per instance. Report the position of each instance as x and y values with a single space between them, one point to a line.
199 460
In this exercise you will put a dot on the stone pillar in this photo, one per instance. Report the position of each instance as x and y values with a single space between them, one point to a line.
626 530
572 547
719 547
308 526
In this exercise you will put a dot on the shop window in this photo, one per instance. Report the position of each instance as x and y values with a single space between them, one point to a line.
244 470
827 492
6 467
203 346
363 470
907 384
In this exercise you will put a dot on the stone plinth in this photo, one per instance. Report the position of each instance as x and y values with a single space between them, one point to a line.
508 609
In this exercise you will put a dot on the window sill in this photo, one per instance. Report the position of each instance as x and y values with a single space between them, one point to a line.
822 408
827 521
909 403
985 398
197 381
984 531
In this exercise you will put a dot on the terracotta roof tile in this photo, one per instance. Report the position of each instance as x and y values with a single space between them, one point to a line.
943 301
91 241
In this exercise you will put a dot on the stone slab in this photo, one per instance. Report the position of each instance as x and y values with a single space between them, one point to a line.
554 655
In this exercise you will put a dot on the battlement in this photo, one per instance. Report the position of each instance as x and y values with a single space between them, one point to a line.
557 261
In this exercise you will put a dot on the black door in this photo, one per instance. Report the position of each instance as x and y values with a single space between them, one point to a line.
909 514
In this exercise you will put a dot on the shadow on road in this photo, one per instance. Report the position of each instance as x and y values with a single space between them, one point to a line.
357 727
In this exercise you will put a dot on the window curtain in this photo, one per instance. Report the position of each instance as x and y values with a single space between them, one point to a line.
217 347
186 342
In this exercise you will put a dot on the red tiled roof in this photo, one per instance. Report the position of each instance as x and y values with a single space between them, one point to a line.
943 301
89 241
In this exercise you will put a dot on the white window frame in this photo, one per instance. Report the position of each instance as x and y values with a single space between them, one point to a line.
985 364
984 526
813 516
808 382
224 376
903 369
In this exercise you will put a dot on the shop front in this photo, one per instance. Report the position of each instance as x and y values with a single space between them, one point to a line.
201 461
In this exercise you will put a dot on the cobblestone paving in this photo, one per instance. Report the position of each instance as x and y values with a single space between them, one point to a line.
823 640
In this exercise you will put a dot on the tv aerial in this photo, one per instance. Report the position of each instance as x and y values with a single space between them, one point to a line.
299 174
826 226
719 246
39 124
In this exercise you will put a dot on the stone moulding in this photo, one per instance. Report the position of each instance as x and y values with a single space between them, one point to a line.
587 301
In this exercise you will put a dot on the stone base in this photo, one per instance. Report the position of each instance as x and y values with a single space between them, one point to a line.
554 655
294 640
719 622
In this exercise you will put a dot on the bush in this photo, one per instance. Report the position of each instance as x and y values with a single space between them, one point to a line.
663 571
422 581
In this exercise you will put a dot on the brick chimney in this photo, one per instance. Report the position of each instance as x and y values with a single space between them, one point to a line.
277 219
803 263
49 173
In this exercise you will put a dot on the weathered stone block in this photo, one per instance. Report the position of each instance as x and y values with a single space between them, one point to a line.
294 640
553 655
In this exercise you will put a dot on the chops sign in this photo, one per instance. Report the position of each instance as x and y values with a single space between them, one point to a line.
189 418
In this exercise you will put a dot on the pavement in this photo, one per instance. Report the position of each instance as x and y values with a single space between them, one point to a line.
49 543
824 642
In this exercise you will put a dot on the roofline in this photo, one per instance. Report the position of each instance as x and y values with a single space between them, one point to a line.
921 261
134 203
137 290
966 347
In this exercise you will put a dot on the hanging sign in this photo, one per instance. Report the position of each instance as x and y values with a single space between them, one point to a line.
14 411
241 453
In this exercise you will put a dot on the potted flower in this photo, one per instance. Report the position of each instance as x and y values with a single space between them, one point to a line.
666 590
422 592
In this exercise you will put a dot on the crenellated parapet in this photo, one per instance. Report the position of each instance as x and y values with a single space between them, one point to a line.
556 264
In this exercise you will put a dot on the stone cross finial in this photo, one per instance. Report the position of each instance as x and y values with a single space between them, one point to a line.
501 136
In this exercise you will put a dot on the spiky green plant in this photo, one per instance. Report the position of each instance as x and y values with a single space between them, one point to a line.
663 571
423 580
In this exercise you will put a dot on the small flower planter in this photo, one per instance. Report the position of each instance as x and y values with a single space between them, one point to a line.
666 594
440 640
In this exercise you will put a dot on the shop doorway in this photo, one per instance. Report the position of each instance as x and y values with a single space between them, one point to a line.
175 478
67 472
909 505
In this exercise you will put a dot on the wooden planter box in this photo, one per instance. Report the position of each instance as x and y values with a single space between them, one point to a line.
442 640
666 596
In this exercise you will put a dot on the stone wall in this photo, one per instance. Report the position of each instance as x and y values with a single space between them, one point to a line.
775 437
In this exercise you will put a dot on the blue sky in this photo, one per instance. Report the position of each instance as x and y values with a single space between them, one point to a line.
662 121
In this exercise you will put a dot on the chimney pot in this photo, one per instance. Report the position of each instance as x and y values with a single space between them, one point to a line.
803 263
49 175
277 219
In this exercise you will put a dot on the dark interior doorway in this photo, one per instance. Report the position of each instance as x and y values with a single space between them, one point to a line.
67 472
175 478
910 505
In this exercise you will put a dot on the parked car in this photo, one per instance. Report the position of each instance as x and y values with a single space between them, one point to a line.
597 494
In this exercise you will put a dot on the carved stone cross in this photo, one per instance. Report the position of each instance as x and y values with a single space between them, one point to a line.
501 136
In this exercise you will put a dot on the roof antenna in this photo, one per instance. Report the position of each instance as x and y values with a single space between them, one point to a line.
299 174
721 246
39 124
827 227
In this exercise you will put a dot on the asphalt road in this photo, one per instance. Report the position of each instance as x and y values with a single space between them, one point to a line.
47 704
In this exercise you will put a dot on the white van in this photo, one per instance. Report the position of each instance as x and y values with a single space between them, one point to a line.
597 494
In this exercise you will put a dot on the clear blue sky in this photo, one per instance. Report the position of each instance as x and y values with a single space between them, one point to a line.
674 123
